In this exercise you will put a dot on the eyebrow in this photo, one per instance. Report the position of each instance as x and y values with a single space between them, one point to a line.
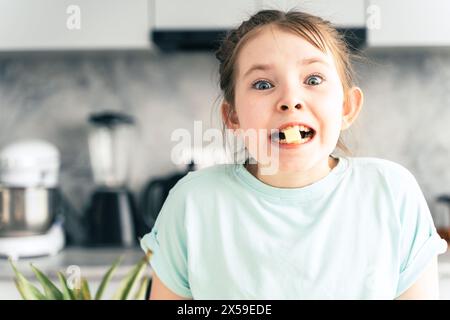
305 61
313 60
255 67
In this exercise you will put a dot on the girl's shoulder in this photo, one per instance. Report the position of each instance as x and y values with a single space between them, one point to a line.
391 174
383 166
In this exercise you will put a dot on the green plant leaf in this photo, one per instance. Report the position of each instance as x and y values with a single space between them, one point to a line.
78 290
106 278
25 288
142 290
20 288
86 293
67 292
126 285
28 292
51 291
78 294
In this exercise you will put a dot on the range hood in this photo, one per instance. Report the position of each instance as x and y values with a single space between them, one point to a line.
208 40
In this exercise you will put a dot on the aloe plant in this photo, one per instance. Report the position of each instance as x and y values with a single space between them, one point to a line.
51 291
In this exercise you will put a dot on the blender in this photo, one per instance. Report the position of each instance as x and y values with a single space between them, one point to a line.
111 212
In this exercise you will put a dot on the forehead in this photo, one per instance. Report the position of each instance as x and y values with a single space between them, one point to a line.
272 45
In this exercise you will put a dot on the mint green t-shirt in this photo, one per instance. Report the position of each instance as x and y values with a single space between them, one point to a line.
364 231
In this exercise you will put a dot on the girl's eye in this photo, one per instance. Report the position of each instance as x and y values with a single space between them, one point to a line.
262 85
314 80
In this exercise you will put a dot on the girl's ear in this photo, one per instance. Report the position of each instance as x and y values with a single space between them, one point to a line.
352 107
229 116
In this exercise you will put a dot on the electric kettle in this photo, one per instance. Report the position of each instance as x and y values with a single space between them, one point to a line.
156 192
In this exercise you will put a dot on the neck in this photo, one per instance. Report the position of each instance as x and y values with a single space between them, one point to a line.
294 179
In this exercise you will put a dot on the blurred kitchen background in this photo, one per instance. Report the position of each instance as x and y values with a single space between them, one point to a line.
69 66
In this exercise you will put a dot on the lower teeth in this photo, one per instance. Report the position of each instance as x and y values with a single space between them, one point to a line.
283 141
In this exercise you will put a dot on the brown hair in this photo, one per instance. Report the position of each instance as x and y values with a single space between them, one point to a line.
317 31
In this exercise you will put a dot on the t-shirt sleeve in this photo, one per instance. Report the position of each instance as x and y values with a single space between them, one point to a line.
419 241
167 241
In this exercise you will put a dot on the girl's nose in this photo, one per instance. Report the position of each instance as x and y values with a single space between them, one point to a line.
290 97
289 106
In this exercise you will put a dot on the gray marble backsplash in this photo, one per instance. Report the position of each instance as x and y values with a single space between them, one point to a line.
405 118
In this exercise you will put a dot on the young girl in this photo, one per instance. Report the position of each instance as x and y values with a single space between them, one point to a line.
319 226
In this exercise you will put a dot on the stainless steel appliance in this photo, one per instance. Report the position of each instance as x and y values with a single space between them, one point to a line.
26 211
29 199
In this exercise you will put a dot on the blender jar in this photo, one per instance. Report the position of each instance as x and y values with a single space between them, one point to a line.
109 147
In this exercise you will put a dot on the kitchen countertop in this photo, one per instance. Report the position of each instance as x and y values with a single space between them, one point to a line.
92 262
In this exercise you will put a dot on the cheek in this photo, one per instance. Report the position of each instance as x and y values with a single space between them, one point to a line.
250 118
250 113
330 111
334 119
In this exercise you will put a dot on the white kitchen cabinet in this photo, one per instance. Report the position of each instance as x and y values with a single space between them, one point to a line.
74 24
417 23
201 14
342 13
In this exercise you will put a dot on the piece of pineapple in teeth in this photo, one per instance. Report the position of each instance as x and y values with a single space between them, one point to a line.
292 134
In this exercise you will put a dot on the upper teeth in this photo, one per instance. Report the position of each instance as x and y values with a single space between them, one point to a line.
300 128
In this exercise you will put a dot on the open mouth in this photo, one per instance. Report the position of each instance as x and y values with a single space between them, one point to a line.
296 134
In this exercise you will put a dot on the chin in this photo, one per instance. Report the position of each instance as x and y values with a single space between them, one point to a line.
293 159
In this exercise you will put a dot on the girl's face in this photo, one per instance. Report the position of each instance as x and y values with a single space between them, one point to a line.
282 79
